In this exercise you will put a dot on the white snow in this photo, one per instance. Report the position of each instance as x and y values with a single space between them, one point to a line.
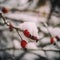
31 45
16 44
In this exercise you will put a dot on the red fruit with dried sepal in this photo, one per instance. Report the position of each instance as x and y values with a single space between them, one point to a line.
5 10
26 33
23 44
52 40
34 38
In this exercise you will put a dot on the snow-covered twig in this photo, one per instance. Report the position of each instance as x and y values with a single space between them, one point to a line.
39 49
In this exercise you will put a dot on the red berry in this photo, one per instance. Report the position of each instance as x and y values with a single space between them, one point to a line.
10 27
52 40
5 10
57 38
23 44
26 33
34 38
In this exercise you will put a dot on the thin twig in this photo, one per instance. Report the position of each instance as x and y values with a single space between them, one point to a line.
7 23
19 34
39 49
45 24
12 26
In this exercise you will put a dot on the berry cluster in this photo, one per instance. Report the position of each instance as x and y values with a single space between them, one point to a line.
27 34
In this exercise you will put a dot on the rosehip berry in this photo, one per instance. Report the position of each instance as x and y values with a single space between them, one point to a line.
57 38
52 40
5 10
10 27
23 44
26 33
34 38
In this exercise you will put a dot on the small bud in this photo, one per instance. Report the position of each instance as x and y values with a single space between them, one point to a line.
26 33
10 27
58 39
23 44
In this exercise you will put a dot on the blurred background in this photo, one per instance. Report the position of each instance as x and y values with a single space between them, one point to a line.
37 12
